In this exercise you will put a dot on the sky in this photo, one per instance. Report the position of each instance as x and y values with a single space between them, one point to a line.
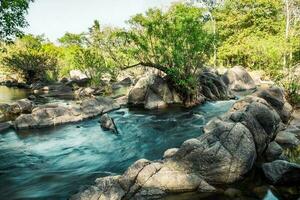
53 18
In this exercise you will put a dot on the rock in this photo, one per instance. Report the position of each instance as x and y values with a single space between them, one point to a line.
170 153
233 193
4 126
79 83
204 187
273 152
276 98
32 97
213 87
126 82
287 139
64 80
77 75
223 154
238 79
107 123
10 112
57 90
153 101
281 172
152 92
84 92
56 114
21 106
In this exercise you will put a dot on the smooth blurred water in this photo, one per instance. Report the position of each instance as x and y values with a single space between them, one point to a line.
8 95
54 163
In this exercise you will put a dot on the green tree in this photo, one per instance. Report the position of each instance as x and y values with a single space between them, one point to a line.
31 56
12 17
251 33
92 63
174 42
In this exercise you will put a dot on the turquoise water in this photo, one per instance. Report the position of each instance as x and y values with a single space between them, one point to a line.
55 163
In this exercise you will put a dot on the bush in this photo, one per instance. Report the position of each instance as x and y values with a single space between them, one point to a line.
32 57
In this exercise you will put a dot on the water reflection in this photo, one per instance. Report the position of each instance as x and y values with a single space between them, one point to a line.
8 95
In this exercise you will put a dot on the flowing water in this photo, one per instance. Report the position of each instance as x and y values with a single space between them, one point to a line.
55 163
8 95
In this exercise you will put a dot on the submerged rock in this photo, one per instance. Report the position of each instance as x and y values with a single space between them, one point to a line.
107 123
238 79
281 172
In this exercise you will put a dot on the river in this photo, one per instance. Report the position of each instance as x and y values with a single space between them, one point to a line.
54 163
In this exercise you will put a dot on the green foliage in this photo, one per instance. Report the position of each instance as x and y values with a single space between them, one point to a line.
251 33
12 17
92 63
174 42
31 56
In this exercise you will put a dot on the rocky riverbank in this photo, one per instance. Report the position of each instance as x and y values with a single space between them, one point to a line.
227 151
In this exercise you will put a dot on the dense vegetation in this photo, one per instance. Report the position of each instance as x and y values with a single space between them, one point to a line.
257 34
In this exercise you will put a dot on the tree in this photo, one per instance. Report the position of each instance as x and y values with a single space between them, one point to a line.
251 34
174 42
210 6
31 56
71 39
12 17
92 63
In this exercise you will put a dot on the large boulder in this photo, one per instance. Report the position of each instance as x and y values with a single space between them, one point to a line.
152 92
238 79
276 98
56 114
281 172
213 87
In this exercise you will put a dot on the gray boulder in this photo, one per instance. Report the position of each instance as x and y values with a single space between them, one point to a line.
273 152
238 79
57 114
281 172
213 87
287 139
10 112
152 92
276 98
107 123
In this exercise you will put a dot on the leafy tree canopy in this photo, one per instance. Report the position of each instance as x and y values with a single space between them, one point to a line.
12 17
174 42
